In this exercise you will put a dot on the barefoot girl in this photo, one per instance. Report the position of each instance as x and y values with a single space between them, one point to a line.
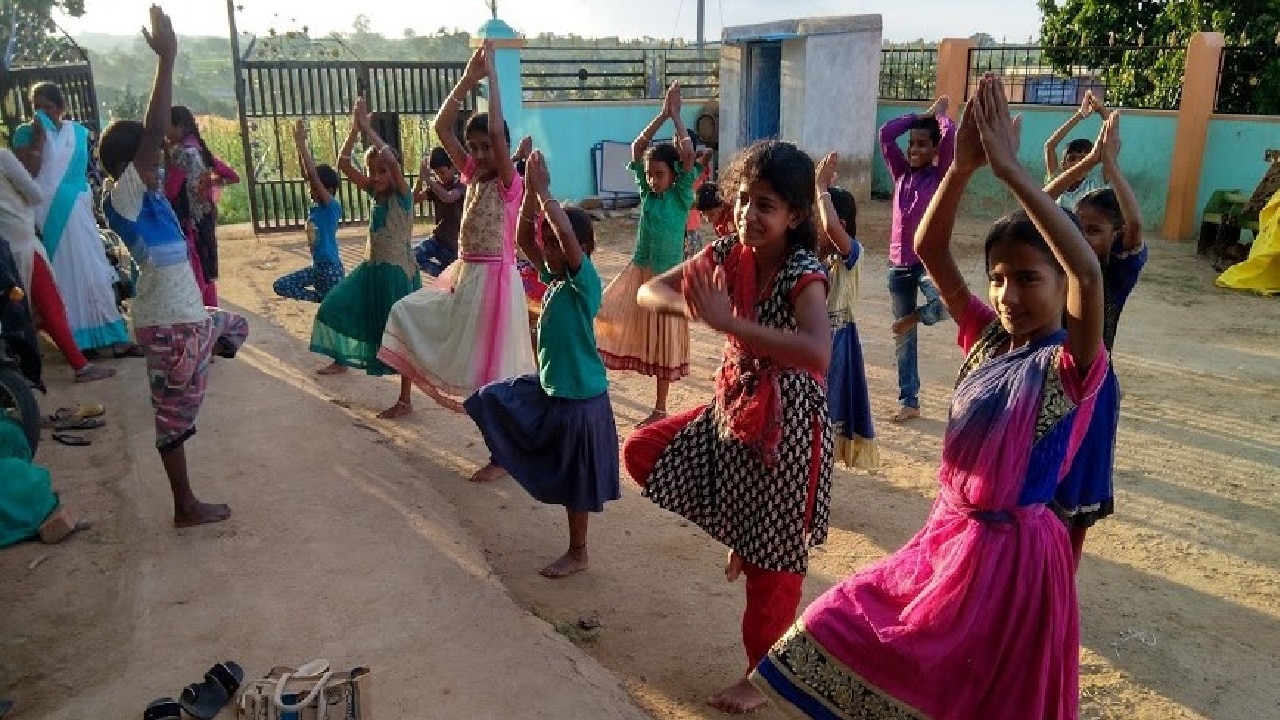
976 616
554 431
313 283
753 467
847 398
1112 223
470 327
349 325
186 183
175 329
631 337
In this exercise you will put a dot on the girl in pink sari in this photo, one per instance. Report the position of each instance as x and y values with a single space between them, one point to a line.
976 616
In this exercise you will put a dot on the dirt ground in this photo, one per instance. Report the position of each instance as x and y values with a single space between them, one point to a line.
1179 591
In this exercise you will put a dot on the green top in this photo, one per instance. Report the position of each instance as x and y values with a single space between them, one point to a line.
660 239
569 365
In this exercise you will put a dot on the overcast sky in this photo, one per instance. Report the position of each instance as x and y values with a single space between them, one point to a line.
1015 20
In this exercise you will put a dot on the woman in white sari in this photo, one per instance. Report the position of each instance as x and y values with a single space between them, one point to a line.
69 231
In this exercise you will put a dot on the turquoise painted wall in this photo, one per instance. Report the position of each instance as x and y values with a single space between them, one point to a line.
1234 154
1146 155
566 132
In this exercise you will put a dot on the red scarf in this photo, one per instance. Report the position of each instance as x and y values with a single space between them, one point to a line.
748 397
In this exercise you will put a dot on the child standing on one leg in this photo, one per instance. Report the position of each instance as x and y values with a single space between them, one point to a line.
438 182
471 326
847 398
632 338
1081 184
1112 223
753 467
977 615
554 432
349 324
930 149
313 283
175 329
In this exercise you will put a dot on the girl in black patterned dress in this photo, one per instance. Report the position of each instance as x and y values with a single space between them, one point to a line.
753 466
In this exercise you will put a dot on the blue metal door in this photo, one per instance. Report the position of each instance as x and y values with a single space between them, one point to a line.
764 90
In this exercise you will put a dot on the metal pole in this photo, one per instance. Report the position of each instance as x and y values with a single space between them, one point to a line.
237 79
702 26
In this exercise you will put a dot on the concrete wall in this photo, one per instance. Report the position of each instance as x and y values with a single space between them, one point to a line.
1234 151
830 67
733 60
843 72
566 132
1147 135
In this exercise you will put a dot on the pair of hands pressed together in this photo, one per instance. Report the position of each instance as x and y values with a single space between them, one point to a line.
480 66
988 133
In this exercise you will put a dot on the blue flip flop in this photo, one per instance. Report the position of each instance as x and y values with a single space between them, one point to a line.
204 700
165 708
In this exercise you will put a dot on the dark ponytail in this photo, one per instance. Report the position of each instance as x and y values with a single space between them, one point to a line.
180 116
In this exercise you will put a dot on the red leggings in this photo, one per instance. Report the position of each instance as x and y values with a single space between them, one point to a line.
47 302
773 596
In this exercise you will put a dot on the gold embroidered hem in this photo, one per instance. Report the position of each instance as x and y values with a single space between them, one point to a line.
806 668
858 453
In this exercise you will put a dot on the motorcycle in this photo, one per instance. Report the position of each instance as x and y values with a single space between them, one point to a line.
20 370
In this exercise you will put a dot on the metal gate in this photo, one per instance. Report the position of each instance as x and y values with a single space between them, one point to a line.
403 98
34 55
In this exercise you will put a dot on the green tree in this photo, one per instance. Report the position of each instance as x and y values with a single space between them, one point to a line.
128 105
30 25
1105 35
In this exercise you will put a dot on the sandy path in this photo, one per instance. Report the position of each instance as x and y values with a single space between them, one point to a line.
1180 591
336 550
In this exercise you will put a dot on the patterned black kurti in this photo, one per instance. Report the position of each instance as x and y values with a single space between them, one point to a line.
721 485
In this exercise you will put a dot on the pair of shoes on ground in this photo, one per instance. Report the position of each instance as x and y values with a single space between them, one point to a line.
202 700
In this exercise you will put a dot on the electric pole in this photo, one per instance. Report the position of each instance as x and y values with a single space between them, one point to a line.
702 26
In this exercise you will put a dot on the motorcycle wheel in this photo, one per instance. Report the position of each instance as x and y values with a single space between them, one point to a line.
18 401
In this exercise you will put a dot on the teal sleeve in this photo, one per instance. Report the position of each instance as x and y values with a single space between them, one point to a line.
684 186
637 168
23 136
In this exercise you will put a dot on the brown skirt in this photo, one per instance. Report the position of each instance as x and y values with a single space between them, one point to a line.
632 338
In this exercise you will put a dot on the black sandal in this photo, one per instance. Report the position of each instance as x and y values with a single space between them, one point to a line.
71 440
165 708
204 700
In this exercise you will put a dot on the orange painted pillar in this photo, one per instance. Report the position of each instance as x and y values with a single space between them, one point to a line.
953 72
1199 95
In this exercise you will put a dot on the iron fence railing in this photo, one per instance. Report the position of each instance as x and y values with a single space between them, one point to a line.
404 98
1249 81
908 74
596 73
1136 77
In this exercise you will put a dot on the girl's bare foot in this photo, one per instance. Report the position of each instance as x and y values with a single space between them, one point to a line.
332 368
733 566
488 473
738 699
573 561
201 514
399 410
654 417
904 414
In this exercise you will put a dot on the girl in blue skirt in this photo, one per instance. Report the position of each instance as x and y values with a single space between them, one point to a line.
554 432
847 398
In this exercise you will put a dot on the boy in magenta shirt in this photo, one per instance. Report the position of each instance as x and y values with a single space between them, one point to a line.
916 176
